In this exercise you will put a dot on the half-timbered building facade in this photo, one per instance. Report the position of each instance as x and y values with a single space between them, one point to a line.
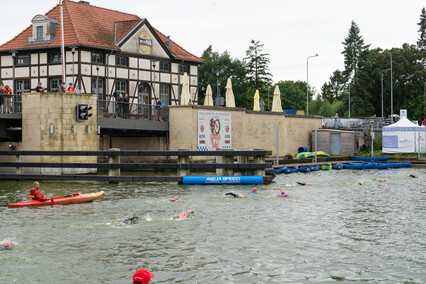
106 52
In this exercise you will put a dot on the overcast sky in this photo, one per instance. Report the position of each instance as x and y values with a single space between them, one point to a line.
290 30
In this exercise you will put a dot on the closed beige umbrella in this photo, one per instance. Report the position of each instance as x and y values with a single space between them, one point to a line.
276 102
185 96
256 106
208 100
229 96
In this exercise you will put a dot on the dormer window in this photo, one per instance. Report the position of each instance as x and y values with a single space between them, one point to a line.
43 29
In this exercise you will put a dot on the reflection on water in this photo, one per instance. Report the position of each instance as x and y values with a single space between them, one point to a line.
334 230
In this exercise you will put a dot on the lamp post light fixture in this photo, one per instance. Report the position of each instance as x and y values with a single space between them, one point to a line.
73 52
153 84
307 82
382 90
217 87
97 81
391 85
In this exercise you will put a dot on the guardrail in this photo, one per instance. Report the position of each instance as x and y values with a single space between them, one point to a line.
225 164
131 110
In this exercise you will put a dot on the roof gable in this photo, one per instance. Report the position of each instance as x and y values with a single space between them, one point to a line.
87 25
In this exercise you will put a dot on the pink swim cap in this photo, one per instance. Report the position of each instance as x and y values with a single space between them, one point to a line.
254 189
175 198
7 244
388 176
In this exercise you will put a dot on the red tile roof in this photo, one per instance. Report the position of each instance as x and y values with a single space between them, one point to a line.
89 25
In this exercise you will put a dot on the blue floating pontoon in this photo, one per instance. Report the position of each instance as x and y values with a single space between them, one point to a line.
373 159
304 169
280 170
314 168
222 180
337 166
291 170
380 166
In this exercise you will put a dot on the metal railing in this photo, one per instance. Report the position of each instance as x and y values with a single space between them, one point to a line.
129 110
106 108
352 122
10 103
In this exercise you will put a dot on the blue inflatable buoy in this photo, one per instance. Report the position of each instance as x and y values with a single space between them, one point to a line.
302 149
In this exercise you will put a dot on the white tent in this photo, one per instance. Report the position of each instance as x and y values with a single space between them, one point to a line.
403 137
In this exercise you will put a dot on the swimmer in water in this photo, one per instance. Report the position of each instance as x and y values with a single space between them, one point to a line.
130 219
301 183
182 215
6 246
174 199
414 176
233 195
254 190
283 194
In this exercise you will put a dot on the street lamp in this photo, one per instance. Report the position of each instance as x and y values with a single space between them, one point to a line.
391 86
217 87
97 81
382 90
73 52
153 84
307 82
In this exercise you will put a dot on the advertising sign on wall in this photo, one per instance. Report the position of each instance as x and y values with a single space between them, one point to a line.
214 130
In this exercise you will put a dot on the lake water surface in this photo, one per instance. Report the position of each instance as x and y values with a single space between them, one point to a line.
332 231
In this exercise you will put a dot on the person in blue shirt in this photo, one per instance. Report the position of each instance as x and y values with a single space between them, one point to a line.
158 108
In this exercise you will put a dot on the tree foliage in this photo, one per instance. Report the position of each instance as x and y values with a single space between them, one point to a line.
257 66
293 94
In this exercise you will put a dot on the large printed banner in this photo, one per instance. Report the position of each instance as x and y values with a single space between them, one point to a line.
214 130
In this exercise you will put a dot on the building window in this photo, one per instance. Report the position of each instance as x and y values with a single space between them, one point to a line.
98 58
54 83
100 86
165 94
40 32
165 66
121 87
122 61
184 68
22 60
55 57
22 86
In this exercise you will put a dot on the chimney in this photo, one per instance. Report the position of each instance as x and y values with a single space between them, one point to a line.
169 42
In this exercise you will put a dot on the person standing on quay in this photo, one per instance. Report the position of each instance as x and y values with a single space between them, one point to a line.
158 108
7 99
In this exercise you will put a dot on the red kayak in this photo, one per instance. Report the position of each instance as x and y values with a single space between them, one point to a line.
60 200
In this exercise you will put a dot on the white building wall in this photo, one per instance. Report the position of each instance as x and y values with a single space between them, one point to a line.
101 71
34 59
193 70
43 58
21 72
55 70
85 69
144 64
6 73
122 73
85 56
133 62
34 71
43 70
165 77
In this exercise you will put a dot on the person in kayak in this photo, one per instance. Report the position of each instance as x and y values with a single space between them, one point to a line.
283 194
130 219
6 246
182 215
35 194
233 195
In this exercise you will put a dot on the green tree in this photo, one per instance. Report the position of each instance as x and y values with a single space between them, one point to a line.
354 48
227 67
335 88
257 66
293 94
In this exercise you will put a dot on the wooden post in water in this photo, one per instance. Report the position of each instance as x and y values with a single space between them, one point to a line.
224 160
114 159
183 159
242 160
259 160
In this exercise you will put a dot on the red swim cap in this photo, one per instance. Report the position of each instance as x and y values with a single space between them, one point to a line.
142 276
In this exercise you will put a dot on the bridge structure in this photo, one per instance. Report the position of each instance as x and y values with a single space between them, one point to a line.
116 119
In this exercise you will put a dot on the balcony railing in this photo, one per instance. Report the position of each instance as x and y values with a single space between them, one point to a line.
105 108
129 110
